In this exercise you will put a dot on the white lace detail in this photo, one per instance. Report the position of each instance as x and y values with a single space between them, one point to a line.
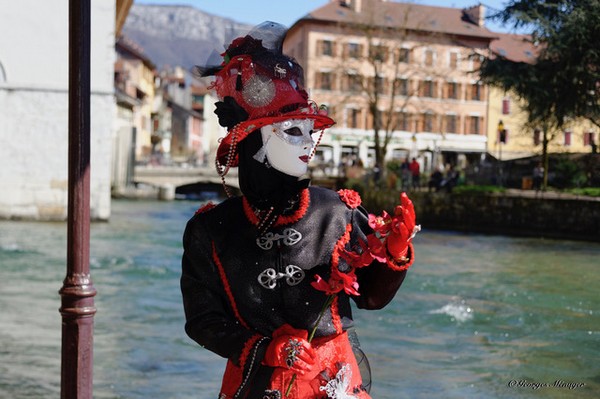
338 387
289 237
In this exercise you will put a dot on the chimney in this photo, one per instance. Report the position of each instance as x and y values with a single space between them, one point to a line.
355 5
475 14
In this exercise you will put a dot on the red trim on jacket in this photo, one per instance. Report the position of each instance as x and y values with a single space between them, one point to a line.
340 245
282 219
227 287
247 348
400 268
335 260
335 316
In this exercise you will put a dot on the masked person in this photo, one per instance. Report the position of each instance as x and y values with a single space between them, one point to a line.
267 277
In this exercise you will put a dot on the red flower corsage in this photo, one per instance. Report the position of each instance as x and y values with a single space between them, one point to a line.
337 282
350 197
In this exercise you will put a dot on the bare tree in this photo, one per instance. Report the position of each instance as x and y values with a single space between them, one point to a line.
393 85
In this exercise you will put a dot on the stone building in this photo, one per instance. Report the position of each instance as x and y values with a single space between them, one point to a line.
178 113
134 79
34 82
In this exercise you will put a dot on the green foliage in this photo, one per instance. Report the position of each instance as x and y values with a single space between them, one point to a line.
588 191
477 190
561 82
568 174
357 185
395 167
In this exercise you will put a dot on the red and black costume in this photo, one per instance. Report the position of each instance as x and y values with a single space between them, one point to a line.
231 313
257 268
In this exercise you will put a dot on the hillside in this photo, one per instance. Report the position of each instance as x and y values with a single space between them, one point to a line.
179 35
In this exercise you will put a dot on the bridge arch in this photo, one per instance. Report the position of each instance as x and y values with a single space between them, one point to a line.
204 191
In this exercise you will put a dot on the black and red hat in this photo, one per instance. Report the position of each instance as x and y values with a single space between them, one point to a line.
258 85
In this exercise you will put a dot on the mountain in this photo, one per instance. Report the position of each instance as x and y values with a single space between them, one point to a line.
180 35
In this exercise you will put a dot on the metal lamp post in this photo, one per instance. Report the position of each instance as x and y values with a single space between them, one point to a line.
77 293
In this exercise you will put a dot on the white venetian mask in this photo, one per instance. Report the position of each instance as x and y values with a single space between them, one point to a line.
287 146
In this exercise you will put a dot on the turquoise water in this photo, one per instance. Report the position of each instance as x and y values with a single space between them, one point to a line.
478 316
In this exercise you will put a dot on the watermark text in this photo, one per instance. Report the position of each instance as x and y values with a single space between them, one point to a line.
560 384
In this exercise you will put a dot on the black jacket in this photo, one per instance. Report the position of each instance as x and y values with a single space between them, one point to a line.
226 304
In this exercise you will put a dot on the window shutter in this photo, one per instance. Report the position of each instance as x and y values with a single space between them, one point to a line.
536 137
567 138
506 106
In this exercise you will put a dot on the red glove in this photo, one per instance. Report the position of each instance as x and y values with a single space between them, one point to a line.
291 350
403 230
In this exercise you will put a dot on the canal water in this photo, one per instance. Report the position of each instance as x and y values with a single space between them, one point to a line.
478 316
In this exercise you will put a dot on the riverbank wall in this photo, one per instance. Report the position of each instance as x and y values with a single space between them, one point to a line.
514 212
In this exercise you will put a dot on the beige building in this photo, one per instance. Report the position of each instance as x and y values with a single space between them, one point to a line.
413 62
135 76
522 141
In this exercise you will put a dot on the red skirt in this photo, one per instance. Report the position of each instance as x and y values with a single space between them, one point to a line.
338 377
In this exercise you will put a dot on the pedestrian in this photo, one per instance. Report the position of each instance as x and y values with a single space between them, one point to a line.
405 174
415 172
267 277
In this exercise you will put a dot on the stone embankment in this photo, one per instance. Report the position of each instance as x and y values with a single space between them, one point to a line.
514 212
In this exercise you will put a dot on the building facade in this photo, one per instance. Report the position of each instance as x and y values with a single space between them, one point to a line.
34 83
413 63
135 76
506 110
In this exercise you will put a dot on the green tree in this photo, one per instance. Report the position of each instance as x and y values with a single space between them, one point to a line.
563 81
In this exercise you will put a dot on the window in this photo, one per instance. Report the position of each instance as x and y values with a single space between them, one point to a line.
427 89
324 81
402 86
404 55
453 60
429 57
428 118
567 138
379 83
325 47
353 116
451 123
473 125
476 92
506 106
452 90
537 137
378 53
588 139
353 82
402 121
354 50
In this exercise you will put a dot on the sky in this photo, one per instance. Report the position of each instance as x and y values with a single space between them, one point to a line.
287 12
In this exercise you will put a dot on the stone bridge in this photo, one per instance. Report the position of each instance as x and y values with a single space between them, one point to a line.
174 176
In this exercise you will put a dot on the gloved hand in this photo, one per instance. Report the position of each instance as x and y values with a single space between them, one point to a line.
291 350
403 229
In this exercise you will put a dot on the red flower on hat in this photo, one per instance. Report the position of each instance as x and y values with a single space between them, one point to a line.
241 46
